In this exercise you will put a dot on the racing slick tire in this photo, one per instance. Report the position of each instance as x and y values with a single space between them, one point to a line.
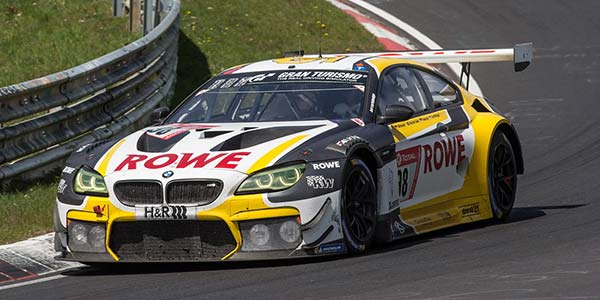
358 206
502 176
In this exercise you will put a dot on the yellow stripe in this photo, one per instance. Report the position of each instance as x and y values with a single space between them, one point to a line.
396 134
267 158
109 154
416 124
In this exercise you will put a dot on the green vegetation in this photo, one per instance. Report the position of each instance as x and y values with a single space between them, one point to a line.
26 214
46 36
215 35
218 34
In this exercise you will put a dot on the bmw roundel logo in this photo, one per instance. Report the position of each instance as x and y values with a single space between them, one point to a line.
167 174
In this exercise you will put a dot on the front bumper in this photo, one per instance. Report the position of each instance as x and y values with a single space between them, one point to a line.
212 235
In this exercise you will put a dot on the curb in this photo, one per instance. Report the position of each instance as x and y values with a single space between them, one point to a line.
368 15
30 259
388 37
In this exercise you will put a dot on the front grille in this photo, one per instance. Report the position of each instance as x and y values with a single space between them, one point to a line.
169 240
193 192
139 192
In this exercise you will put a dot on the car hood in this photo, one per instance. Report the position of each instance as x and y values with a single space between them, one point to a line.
240 147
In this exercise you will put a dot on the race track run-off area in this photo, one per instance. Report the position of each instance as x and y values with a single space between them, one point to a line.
548 249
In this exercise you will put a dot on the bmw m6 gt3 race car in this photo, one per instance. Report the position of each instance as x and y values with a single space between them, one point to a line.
297 156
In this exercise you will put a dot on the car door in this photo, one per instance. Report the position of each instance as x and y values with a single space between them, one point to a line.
434 146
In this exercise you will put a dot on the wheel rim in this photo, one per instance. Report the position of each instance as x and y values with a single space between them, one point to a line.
503 176
359 206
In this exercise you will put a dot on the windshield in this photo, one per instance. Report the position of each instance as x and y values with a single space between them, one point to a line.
276 96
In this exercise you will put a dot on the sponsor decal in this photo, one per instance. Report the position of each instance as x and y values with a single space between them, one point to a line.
344 144
319 182
216 84
229 83
359 67
372 105
260 77
444 153
321 75
306 152
418 120
347 140
397 227
394 204
255 78
326 165
182 160
68 170
408 162
470 210
165 133
99 210
175 212
62 185
331 248
358 122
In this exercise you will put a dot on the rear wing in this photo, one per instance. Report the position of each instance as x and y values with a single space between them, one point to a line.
521 55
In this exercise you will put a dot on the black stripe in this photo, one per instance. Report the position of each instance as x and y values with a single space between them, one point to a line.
458 117
319 240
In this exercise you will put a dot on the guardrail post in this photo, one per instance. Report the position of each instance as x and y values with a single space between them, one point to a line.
118 8
151 15
135 11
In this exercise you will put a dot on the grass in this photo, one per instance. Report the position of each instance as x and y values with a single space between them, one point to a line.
46 36
215 35
228 33
27 213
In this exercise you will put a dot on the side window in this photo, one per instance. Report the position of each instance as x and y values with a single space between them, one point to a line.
442 92
400 86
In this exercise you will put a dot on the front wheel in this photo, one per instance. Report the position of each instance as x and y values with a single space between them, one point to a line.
358 206
502 176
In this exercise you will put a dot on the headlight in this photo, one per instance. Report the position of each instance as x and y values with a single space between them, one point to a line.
272 180
89 182
271 234
86 236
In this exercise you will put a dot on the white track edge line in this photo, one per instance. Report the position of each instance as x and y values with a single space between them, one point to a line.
40 280
419 36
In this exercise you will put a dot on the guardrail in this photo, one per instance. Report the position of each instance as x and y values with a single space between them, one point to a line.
45 119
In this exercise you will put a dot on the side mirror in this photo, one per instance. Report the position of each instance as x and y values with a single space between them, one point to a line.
395 113
159 114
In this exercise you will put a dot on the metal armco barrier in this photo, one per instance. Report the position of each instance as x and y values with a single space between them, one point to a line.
107 97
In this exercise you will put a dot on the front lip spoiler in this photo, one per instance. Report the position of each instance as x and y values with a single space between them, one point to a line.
239 256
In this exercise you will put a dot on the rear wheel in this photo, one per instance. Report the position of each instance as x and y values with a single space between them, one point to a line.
502 176
358 206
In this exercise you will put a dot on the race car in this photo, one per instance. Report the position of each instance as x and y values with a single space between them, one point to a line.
296 156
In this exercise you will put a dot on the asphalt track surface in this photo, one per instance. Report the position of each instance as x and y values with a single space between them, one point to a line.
549 248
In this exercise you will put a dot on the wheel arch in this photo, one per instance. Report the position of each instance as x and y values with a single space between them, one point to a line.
511 134
485 126
363 152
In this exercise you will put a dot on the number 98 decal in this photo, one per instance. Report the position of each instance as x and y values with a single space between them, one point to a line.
408 162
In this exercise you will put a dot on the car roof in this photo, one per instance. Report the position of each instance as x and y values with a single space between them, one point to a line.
327 62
